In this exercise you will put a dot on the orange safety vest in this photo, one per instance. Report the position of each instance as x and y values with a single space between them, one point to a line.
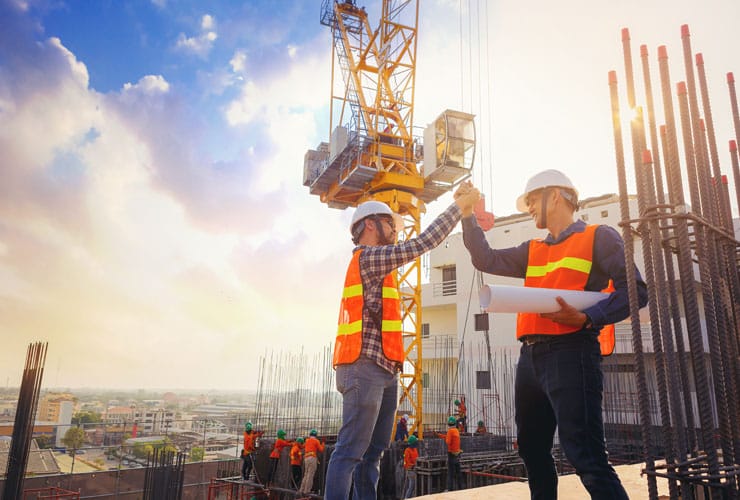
249 441
313 446
278 448
348 345
453 441
566 265
296 454
410 455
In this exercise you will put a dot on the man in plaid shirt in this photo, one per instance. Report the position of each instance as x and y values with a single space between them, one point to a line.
368 353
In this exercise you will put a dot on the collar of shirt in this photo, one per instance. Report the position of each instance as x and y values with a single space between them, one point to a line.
577 227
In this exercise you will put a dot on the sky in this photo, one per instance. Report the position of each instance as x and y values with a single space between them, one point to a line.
154 229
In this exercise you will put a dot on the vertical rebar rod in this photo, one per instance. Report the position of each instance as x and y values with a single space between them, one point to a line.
702 252
690 429
643 404
684 259
733 144
712 279
24 420
660 323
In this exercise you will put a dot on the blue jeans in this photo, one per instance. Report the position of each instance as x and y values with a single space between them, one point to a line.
559 383
369 400
409 487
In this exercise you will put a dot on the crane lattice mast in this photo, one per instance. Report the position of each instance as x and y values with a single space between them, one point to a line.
373 153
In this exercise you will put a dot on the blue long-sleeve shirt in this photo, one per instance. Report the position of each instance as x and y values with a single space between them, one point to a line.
608 263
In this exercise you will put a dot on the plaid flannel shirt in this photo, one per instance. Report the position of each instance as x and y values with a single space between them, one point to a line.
377 261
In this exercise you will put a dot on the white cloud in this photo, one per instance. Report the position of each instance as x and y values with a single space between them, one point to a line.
149 84
238 62
201 44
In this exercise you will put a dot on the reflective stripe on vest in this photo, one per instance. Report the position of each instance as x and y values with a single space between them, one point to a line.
565 265
348 345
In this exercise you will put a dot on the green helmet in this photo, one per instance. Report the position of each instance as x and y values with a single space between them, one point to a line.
280 434
313 433
480 422
248 427
451 421
457 402
413 440
300 440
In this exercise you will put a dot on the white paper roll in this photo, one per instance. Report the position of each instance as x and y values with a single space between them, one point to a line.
514 299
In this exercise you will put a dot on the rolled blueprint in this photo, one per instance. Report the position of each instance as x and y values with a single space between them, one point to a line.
514 299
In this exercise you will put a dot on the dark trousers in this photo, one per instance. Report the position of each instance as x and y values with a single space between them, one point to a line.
246 466
273 468
297 475
453 472
559 383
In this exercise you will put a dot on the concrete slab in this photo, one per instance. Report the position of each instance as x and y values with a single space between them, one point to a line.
569 487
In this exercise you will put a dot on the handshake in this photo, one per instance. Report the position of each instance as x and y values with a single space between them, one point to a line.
466 197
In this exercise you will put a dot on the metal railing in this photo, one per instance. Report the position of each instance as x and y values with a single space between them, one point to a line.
444 288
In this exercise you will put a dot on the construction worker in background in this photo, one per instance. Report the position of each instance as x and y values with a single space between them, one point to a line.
275 454
481 429
250 436
452 440
310 461
559 381
402 430
296 460
462 414
369 350
410 455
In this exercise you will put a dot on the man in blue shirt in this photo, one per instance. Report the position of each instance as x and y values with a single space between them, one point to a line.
559 382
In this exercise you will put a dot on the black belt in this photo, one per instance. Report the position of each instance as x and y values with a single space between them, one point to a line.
537 339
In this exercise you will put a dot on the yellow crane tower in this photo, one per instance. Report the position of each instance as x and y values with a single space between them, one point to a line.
373 153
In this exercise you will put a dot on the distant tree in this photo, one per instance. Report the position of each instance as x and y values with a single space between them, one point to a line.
86 417
44 442
74 438
197 453
142 450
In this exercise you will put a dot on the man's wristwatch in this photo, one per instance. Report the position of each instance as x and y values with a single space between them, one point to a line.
588 323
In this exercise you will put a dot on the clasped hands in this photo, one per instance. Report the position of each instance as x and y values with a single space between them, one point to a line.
466 197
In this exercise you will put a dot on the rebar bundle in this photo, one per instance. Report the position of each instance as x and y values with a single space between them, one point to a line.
165 474
24 420
695 354
296 393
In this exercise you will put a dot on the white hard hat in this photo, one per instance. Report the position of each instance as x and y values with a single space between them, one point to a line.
546 178
369 208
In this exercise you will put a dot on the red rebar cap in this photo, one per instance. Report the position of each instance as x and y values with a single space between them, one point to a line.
724 179
685 30
612 77
681 88
701 124
733 145
662 52
730 77
647 157
625 34
699 59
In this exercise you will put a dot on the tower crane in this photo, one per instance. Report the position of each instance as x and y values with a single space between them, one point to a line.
373 152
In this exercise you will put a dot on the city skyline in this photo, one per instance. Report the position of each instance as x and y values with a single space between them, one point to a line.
153 225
